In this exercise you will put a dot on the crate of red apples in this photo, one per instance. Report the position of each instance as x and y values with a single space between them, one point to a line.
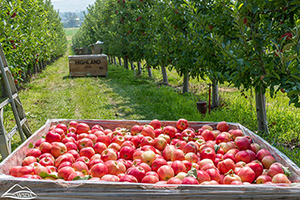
148 159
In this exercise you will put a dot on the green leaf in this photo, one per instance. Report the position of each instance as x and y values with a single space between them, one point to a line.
30 146
87 177
217 147
45 174
192 173
287 47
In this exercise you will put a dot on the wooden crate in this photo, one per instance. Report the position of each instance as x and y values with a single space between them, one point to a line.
88 65
131 191
97 49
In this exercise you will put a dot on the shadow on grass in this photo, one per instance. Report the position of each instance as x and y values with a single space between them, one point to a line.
139 96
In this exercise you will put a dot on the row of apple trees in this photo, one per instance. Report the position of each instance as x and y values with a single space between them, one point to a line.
248 43
31 35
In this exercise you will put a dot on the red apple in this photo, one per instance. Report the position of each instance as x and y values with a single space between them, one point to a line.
214 174
191 157
108 154
202 176
128 178
160 143
148 131
115 167
28 160
148 157
262 179
178 166
104 139
81 167
228 179
137 172
147 141
242 142
281 178
246 174
177 154
71 146
87 151
190 180
34 152
157 163
226 165
182 124
91 163
82 128
84 142
190 147
14 171
156 124
209 153
267 161
39 142
207 135
262 153
65 172
109 177
74 175
98 170
223 126
170 130
222 137
165 172
168 151
256 167
243 156
74 153
58 149
45 147
53 137
255 147
150 179
174 180
236 133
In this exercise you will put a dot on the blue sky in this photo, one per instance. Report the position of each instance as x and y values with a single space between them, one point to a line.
71 5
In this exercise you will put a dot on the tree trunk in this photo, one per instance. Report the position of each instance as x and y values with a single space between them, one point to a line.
149 71
215 94
115 61
126 63
132 65
185 88
139 69
164 74
261 111
120 61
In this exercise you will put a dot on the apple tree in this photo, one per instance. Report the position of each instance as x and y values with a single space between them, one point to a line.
263 53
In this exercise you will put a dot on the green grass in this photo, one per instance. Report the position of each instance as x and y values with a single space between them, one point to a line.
53 94
70 32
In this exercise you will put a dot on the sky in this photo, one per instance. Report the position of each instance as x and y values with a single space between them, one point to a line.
71 5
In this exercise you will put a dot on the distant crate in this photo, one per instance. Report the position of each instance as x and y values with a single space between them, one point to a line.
88 65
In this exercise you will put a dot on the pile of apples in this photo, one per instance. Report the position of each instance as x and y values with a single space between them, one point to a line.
151 154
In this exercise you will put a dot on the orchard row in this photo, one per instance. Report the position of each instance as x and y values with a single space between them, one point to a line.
31 35
250 44
151 153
